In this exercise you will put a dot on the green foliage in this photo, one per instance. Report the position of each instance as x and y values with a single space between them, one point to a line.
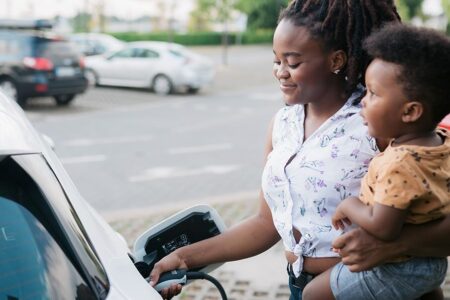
402 10
262 14
197 38
81 21
446 6
409 8
201 15
262 36
200 38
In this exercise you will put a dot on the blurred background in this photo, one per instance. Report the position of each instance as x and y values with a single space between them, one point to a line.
154 103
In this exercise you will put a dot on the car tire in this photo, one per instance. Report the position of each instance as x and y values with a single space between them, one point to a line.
64 100
91 76
162 85
9 88
193 90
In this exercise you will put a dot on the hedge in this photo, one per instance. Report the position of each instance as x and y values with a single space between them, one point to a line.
199 38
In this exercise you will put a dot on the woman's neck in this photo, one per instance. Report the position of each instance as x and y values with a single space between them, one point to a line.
317 112
328 104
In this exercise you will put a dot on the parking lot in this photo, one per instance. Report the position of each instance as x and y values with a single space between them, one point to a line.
130 149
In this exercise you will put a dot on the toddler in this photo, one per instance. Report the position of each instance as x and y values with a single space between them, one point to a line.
408 86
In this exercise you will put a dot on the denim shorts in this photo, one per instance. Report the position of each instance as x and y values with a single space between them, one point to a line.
394 281
297 284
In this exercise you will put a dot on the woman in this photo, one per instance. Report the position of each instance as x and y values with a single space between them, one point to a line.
317 148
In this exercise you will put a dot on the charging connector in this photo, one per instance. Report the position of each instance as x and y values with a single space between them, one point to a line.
180 276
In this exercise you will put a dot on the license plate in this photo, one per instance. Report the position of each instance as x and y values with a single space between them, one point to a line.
65 71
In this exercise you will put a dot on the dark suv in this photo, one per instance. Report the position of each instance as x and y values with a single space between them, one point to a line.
35 62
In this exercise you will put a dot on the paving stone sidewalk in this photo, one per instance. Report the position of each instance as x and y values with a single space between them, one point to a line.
258 278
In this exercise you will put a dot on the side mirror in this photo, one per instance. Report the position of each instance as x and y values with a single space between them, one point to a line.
186 227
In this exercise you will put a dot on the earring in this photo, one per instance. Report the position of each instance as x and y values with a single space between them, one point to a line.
336 71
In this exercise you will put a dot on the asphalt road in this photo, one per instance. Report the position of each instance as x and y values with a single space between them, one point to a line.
131 149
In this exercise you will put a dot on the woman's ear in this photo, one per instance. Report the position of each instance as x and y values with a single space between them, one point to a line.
338 61
412 111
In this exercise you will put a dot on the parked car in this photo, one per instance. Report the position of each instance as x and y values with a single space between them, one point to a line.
163 67
95 43
54 245
36 63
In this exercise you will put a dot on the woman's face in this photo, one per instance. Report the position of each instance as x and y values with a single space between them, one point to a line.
301 65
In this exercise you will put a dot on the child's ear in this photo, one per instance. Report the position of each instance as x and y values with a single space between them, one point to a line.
412 111
338 60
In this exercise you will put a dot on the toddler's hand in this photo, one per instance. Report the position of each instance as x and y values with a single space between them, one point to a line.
339 220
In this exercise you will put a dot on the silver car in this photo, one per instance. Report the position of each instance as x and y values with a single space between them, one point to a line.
163 67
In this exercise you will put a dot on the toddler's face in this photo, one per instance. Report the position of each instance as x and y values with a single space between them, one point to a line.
383 104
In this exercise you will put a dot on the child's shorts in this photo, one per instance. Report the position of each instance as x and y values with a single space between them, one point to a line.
404 280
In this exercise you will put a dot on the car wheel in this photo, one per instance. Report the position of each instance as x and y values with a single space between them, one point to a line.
91 76
192 90
63 100
8 87
162 85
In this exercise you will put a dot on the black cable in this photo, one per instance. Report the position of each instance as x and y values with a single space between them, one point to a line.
201 275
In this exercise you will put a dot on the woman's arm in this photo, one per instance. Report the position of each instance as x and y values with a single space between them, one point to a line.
250 237
361 251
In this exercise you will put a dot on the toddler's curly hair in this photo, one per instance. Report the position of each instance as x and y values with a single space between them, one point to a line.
423 55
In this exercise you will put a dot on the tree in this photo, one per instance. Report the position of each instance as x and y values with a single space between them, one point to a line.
201 16
262 14
446 6
409 8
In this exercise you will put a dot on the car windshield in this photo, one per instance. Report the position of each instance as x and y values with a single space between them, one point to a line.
40 260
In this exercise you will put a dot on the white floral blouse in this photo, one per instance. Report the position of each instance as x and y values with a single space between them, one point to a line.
326 168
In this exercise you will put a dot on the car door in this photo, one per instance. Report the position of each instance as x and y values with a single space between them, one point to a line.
117 69
146 66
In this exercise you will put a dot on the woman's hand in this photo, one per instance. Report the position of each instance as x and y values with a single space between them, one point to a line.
170 262
360 251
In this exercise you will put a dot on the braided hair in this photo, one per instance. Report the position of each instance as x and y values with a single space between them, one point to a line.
343 25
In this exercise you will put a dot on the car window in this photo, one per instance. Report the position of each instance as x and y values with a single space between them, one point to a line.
145 53
44 251
126 53
177 53
9 46
32 264
55 49
13 46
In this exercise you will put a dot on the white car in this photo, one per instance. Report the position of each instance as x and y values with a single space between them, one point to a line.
53 244
163 67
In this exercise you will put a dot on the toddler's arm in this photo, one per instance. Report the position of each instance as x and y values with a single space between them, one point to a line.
361 251
381 221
